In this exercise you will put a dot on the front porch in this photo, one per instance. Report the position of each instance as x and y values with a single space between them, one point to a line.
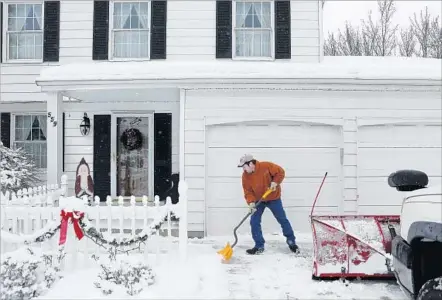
126 139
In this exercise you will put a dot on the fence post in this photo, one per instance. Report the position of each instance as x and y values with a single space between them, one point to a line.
64 185
157 210
182 190
145 212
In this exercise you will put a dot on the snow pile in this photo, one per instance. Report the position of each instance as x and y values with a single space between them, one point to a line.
202 276
123 272
27 273
17 170
347 67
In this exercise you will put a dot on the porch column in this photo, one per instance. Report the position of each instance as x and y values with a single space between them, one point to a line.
54 137
183 187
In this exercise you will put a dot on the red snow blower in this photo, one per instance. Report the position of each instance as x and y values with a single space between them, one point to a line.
351 246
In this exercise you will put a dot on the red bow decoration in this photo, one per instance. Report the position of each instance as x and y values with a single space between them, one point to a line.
65 216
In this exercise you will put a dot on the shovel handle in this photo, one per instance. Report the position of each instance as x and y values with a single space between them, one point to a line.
246 216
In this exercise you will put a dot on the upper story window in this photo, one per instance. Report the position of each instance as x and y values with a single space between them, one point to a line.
31 31
253 29
130 30
24 31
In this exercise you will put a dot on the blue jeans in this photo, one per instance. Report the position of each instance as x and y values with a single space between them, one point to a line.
278 212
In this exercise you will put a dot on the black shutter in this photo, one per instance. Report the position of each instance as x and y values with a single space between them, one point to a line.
283 38
5 133
102 156
163 153
158 29
1 31
51 35
224 29
63 138
100 31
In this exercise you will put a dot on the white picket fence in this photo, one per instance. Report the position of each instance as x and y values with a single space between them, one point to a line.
35 195
25 214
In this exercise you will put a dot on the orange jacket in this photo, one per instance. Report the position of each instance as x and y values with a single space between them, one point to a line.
257 183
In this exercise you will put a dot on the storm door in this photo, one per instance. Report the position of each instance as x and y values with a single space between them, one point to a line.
133 156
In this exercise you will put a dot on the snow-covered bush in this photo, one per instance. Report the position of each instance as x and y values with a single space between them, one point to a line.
25 275
117 272
17 169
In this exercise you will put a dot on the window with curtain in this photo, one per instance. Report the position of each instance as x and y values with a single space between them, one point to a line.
253 29
24 31
131 29
30 134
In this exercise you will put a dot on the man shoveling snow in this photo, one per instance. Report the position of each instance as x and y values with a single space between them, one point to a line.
256 179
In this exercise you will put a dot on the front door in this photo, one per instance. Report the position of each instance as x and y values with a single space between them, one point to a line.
133 162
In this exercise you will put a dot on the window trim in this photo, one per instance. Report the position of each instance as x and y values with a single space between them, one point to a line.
111 28
12 130
4 34
272 35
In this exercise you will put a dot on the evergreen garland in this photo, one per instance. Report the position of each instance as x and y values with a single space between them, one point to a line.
135 241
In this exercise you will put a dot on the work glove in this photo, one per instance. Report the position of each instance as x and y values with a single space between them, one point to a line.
273 186
252 207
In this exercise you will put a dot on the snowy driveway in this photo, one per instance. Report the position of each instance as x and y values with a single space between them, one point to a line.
280 274
275 274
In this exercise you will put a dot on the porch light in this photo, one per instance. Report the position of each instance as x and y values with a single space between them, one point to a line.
85 125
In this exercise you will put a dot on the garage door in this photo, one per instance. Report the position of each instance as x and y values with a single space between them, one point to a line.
387 148
306 152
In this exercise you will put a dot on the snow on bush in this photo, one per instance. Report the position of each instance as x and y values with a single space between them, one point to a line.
17 170
117 272
25 275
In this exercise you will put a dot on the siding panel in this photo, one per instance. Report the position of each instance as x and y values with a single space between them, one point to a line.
191 30
305 28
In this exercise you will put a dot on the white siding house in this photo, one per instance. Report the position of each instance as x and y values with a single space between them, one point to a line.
207 81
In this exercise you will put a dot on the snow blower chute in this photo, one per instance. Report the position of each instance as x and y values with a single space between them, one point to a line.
351 246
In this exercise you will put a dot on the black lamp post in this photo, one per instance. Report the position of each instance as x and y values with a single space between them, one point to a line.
85 126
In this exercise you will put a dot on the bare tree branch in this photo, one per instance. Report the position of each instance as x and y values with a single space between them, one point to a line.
350 41
423 37
407 43
421 29
370 32
387 32
331 46
435 44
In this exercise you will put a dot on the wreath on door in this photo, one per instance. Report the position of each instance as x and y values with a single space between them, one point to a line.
132 139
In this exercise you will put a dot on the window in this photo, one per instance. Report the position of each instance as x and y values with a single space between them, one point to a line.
30 134
253 30
130 30
24 31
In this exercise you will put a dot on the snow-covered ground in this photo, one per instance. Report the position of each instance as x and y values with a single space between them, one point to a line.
276 274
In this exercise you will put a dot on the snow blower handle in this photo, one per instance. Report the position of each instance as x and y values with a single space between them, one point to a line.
317 195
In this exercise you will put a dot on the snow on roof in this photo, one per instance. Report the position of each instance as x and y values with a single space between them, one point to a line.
333 67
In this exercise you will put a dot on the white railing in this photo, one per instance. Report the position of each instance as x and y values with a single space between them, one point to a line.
33 215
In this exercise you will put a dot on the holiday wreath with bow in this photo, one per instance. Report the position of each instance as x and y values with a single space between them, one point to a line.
132 139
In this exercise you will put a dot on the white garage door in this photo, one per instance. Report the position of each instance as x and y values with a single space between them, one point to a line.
305 152
385 149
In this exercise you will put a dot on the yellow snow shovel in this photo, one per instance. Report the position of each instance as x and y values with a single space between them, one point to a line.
227 251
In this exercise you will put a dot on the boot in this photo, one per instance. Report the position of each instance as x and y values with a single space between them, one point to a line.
255 250
294 248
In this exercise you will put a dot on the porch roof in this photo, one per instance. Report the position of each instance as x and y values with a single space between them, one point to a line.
97 75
